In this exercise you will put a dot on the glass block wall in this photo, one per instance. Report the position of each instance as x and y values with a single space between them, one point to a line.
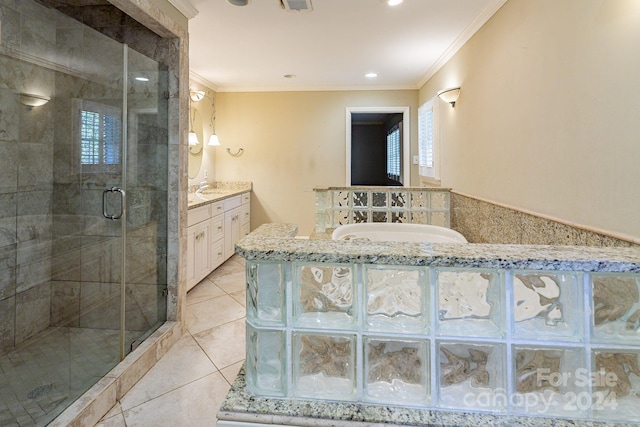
522 342
415 205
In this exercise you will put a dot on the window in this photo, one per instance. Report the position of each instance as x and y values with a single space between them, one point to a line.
393 153
100 133
428 141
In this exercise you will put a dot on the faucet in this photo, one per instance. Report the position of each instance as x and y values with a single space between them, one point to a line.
202 186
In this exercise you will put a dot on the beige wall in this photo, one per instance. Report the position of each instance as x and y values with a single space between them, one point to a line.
293 142
548 119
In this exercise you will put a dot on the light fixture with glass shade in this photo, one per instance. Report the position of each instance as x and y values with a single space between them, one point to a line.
32 100
450 95
197 96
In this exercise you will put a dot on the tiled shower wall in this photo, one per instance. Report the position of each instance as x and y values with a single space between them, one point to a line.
47 208
483 222
26 191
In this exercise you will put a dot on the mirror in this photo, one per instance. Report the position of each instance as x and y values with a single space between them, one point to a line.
195 151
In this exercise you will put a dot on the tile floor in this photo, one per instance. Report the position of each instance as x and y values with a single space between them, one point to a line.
188 385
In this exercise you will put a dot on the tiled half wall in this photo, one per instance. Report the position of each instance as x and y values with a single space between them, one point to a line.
481 221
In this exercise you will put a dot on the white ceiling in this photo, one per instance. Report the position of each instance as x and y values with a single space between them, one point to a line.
251 48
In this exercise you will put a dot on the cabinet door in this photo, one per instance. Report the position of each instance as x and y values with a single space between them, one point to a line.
191 261
201 251
231 231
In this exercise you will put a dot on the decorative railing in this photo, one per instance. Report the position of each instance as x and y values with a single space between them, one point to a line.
337 206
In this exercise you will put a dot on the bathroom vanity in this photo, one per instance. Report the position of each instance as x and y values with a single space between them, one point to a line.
218 217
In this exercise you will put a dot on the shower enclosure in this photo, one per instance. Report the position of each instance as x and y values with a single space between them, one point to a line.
83 201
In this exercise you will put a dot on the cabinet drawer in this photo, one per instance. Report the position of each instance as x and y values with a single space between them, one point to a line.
217 208
197 215
217 228
246 198
232 202
217 254
244 230
245 214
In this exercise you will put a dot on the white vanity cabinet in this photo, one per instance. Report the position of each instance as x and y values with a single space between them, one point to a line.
212 233
236 221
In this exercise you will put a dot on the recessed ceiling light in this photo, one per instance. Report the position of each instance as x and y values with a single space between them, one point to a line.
371 75
394 2
142 79
238 2
289 76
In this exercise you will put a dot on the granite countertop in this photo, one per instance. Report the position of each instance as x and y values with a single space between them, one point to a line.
383 188
242 406
215 192
275 242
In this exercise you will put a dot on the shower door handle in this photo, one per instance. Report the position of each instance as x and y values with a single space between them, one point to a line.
105 193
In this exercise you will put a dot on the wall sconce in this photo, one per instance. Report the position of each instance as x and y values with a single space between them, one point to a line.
31 100
450 95
197 96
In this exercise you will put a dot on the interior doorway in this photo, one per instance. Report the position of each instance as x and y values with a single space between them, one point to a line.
366 145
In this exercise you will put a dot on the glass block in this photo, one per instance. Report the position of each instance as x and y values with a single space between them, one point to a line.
470 303
324 366
419 199
419 217
548 305
616 389
379 216
472 376
397 299
265 292
359 216
439 200
266 362
323 296
616 308
398 199
340 199
399 216
321 201
360 199
551 381
340 218
322 221
396 371
379 199
440 219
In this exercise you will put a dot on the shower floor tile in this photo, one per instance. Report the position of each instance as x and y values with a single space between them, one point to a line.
48 372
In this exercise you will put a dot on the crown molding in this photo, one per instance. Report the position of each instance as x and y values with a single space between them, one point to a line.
460 41
316 88
185 7
201 80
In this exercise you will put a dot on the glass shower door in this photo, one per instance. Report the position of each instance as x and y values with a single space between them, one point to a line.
146 182
83 206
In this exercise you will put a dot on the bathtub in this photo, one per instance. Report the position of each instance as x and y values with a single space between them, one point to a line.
399 232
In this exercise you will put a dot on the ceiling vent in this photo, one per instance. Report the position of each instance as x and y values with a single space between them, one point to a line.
296 5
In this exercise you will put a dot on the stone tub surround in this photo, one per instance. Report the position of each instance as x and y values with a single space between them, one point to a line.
216 192
274 242
482 221
273 245
241 406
